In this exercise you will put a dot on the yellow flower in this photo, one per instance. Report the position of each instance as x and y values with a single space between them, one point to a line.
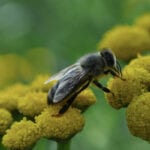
31 100
42 59
5 120
9 96
38 84
85 99
144 22
141 62
22 135
137 82
32 103
13 68
138 116
126 41
61 127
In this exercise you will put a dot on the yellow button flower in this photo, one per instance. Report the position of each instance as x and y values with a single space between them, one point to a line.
144 22
60 127
5 120
22 135
9 96
137 82
85 99
38 83
14 68
32 103
138 116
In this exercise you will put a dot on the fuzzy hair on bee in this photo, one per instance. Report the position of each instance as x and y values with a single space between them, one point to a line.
75 78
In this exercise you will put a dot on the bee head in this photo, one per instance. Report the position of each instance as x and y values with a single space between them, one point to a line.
109 57
111 61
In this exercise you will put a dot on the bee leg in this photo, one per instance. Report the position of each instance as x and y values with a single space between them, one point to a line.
70 101
99 85
67 105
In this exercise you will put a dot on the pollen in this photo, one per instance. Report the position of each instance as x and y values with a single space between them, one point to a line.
126 41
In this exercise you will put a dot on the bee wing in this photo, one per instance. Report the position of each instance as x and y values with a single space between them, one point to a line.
71 83
60 74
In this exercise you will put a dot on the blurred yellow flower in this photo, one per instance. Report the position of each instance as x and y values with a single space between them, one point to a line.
144 22
22 135
5 120
42 59
14 68
60 128
138 116
38 83
137 82
126 41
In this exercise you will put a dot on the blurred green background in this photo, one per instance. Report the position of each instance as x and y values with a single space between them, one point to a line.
52 34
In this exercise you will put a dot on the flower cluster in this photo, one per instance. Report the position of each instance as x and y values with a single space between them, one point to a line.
37 119
127 41
134 93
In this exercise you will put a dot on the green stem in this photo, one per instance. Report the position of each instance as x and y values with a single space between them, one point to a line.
64 145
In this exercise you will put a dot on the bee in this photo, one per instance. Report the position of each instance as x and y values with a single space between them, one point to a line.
75 78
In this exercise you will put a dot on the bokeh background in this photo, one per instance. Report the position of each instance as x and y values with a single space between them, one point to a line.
44 36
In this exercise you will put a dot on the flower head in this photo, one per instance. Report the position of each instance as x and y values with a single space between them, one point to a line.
13 68
126 41
38 84
137 82
22 135
143 22
9 96
85 99
138 116
60 128
141 62
32 103
5 120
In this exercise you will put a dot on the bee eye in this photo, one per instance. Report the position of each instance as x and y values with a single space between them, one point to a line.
108 56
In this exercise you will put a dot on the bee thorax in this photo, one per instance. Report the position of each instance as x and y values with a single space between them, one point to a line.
93 64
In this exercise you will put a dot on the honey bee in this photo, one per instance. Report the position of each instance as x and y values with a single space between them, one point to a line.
75 78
